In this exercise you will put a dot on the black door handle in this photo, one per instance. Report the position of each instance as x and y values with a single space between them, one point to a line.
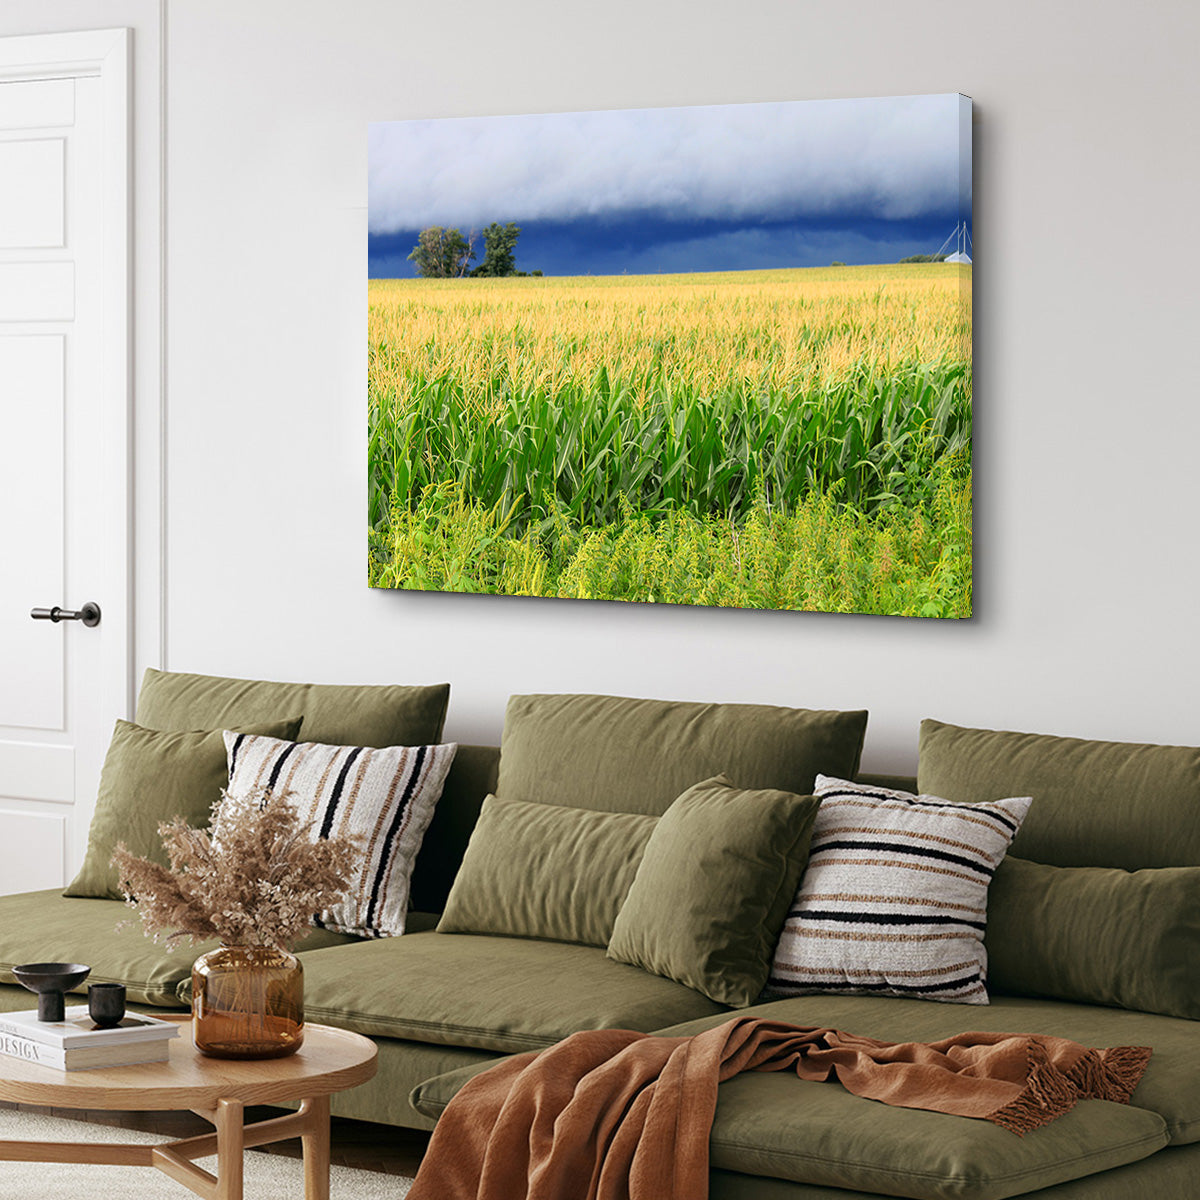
89 614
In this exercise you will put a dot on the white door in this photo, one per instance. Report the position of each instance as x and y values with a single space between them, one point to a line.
64 433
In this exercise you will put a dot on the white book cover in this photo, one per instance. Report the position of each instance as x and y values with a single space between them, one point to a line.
78 1029
89 1057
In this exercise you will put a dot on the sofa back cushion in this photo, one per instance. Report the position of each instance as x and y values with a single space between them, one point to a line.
336 714
1095 804
1097 935
617 754
545 871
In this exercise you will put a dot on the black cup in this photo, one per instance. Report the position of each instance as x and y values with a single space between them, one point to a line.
106 1004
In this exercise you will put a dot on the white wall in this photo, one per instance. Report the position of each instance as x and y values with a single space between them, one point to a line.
1087 413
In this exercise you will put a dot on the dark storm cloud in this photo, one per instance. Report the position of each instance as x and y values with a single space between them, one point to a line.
890 159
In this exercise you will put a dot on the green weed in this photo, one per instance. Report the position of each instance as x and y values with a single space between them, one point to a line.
821 556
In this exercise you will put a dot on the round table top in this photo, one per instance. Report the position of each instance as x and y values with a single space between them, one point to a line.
330 1060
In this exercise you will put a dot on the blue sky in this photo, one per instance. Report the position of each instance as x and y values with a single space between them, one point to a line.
713 188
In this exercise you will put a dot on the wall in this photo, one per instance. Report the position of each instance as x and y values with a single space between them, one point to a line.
1086 302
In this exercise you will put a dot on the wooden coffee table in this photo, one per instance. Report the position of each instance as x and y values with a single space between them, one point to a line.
331 1060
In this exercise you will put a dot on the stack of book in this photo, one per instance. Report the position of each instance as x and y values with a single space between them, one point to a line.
76 1044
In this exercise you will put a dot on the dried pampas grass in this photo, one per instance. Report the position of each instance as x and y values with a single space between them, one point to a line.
259 877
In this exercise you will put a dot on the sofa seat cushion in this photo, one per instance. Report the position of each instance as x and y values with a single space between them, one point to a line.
1170 1087
488 993
1170 1174
384 1098
51 927
775 1125
818 1133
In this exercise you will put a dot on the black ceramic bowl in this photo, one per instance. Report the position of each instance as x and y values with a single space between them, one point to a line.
50 980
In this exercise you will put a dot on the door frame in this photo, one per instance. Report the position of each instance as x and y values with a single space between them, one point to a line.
105 53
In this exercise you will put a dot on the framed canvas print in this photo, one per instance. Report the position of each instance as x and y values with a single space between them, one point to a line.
709 355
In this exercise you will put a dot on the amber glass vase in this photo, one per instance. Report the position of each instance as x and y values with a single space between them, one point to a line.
248 1002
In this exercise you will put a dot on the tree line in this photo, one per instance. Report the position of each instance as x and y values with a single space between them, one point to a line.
446 253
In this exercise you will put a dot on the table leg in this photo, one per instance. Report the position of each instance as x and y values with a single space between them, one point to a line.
229 1122
315 1141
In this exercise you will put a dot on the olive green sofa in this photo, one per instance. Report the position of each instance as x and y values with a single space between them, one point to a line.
444 1006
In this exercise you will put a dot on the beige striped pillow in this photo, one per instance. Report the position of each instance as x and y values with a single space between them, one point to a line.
894 898
386 796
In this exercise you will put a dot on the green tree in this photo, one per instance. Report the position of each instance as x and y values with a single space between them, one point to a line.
442 253
499 250
924 258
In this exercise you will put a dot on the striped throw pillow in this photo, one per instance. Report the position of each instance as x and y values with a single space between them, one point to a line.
385 796
894 898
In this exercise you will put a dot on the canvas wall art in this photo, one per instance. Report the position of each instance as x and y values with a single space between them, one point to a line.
708 355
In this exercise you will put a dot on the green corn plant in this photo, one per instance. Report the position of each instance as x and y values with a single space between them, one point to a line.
583 449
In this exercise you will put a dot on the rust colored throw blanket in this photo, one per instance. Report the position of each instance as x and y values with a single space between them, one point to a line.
610 1114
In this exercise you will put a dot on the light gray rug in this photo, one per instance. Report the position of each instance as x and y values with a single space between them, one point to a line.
267 1176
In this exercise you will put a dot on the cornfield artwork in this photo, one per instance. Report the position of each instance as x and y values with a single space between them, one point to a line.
709 356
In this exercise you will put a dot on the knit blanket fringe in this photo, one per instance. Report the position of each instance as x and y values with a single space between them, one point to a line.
1051 1091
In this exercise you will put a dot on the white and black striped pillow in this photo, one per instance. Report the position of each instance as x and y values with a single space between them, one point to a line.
894 898
385 796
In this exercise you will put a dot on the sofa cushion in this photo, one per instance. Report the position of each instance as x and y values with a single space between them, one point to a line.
775 1125
713 888
1095 804
151 776
473 777
489 993
618 754
894 897
1170 1087
1170 1174
381 797
341 714
1098 935
545 871
50 927
786 1128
